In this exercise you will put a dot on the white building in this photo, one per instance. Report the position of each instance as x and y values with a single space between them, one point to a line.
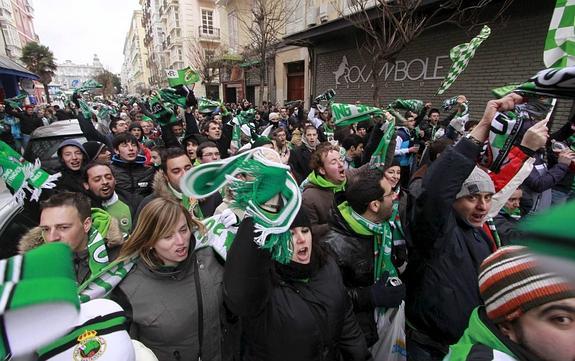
176 33
136 56
70 75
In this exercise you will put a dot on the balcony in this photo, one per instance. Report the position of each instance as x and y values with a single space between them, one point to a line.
209 33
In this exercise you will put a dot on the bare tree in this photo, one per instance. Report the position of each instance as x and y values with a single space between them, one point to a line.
388 26
110 83
265 26
203 56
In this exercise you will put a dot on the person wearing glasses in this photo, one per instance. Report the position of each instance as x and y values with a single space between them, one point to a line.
357 223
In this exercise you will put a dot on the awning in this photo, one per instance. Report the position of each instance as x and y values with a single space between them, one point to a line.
249 63
10 67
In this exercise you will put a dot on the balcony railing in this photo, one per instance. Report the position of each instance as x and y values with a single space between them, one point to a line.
209 33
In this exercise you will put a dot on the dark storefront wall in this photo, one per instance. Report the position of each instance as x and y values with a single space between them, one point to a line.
512 54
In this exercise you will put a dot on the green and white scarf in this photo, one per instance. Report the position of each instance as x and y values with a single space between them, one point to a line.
382 235
414 105
347 114
23 176
460 56
267 179
98 258
42 280
379 155
100 284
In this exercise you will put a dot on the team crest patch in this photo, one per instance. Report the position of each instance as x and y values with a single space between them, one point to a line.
90 347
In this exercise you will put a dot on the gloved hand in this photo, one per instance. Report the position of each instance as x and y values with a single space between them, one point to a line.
384 294
228 218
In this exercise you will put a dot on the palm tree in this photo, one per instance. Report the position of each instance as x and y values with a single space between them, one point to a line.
40 60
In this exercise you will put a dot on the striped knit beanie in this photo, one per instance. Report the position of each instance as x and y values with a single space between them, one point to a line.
512 282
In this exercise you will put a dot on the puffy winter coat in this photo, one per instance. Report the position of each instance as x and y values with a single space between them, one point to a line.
173 311
285 319
133 177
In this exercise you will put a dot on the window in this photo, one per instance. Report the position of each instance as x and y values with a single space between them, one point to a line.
207 22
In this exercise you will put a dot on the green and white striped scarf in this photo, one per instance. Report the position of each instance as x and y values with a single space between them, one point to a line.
379 155
40 282
23 176
347 114
382 235
266 179
460 56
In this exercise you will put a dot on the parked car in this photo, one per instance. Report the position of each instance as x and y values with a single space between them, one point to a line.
45 140
15 221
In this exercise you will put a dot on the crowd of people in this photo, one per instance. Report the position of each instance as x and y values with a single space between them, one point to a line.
421 243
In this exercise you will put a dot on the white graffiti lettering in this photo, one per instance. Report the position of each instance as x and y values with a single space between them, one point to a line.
415 69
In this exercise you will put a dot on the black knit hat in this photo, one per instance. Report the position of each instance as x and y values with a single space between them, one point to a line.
301 219
94 148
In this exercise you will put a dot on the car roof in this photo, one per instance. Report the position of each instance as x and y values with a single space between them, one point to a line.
58 128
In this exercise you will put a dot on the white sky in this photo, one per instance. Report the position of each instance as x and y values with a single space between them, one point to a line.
77 29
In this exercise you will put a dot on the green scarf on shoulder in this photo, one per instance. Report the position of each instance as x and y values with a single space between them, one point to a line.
382 235
96 244
321 182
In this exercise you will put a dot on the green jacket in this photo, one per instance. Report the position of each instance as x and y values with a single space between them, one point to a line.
482 341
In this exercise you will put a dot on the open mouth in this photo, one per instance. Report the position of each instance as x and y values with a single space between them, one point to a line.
105 190
182 252
478 218
302 254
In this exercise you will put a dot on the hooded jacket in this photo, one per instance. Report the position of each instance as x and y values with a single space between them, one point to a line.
482 341
113 239
71 180
133 177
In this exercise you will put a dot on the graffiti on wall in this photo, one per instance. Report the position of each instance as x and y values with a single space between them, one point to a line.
415 69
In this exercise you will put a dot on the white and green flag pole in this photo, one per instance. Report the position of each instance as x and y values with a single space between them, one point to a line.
460 56
560 42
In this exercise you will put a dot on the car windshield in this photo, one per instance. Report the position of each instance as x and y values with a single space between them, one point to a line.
46 149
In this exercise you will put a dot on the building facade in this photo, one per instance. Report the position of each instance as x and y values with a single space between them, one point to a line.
136 56
70 75
510 55
180 33
154 36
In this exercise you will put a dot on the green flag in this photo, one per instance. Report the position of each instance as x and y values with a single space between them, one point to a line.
460 56
504 90
378 157
183 76
346 114
414 105
560 42
17 101
207 106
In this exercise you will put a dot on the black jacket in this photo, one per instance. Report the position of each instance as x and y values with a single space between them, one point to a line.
299 162
446 253
289 320
134 178
507 228
354 256
28 123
